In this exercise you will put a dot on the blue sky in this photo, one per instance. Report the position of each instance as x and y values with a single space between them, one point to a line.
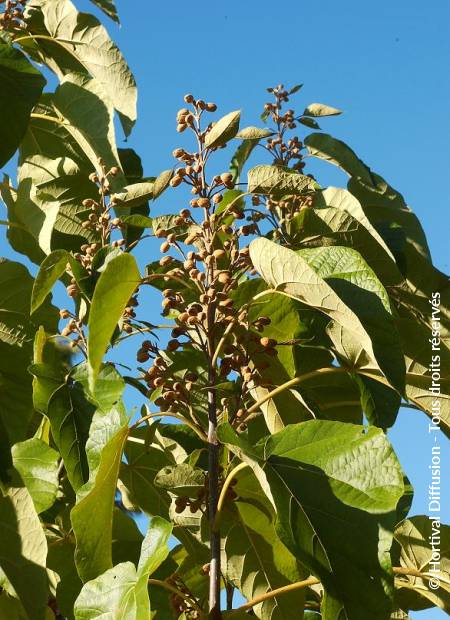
385 64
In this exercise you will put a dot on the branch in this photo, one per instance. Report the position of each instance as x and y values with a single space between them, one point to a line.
162 414
296 381
299 585
223 493
397 570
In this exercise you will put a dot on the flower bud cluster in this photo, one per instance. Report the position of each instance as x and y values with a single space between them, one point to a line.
12 17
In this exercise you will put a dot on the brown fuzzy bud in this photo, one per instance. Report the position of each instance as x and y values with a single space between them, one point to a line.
203 202
165 247
175 181
219 253
267 343
224 277
173 345
64 314
142 356
188 98
165 260
72 290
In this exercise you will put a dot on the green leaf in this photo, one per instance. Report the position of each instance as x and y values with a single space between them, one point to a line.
334 488
335 262
23 551
37 465
19 237
133 195
254 133
337 218
224 130
109 386
107 436
22 86
140 221
60 559
338 153
108 7
122 591
114 288
255 560
89 118
381 404
51 269
240 158
52 188
70 416
309 122
181 480
415 537
17 333
415 340
288 273
11 607
320 109
161 183
80 43
277 181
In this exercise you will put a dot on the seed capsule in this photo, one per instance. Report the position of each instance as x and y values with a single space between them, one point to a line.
268 343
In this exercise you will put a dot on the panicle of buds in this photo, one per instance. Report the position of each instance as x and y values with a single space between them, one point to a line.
11 19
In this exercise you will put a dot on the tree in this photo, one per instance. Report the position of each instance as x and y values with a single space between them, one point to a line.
301 319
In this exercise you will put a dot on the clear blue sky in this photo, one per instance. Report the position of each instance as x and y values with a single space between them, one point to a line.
385 64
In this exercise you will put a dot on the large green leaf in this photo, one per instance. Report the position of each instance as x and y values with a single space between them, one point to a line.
415 338
320 109
104 447
361 342
16 346
114 288
60 559
109 386
240 158
37 465
22 85
277 181
380 402
224 130
78 42
88 114
255 560
50 270
334 397
23 551
388 212
182 480
338 219
19 237
49 200
338 153
108 7
415 536
133 195
122 592
334 488
144 459
65 403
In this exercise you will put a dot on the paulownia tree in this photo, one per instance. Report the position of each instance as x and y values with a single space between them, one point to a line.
299 320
